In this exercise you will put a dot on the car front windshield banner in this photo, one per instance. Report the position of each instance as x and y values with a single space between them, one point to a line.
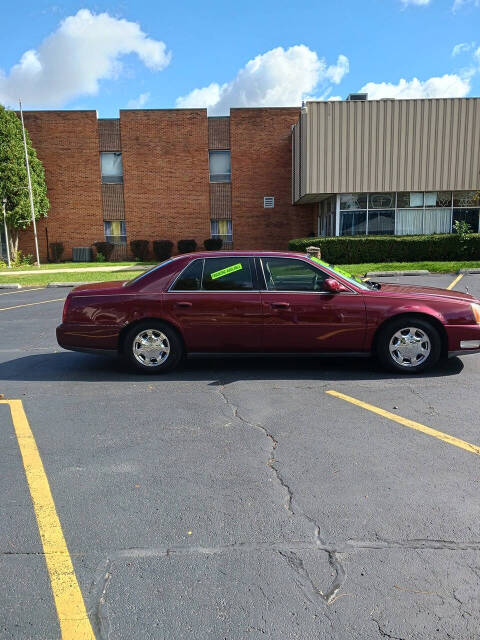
344 274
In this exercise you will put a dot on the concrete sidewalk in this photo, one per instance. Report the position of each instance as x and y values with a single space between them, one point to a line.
76 270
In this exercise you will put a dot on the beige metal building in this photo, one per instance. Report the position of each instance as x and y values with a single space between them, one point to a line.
388 166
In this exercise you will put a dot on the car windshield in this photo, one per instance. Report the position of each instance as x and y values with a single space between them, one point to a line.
129 283
358 282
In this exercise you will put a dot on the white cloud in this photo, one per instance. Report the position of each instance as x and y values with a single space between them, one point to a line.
417 3
462 47
138 103
458 4
446 86
277 78
85 49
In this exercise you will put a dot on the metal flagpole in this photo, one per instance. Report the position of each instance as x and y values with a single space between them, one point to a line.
6 232
29 186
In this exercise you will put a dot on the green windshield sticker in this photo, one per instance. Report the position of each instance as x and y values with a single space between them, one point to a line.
225 272
315 259
343 273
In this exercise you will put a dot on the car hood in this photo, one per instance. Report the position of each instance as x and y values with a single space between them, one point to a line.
408 290
100 287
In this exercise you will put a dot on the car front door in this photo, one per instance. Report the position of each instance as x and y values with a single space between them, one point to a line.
216 304
300 316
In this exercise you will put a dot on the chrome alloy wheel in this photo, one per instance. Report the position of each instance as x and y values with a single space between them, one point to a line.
410 347
151 347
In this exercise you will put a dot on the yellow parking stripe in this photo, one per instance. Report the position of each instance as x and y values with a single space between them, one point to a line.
32 304
457 279
408 423
21 291
72 615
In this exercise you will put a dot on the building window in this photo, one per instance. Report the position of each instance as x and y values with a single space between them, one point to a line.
353 223
413 199
466 198
470 216
115 231
381 201
438 199
349 201
381 222
221 229
406 212
112 168
220 169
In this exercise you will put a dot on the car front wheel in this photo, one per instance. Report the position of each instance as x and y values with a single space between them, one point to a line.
409 345
153 347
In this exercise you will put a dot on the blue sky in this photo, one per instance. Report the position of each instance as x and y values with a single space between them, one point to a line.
115 55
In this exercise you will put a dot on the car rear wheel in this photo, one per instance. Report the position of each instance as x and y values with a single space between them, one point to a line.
409 345
153 347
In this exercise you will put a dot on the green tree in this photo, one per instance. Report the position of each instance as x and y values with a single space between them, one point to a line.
13 178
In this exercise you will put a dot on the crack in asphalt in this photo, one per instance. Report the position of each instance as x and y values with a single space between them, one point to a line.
384 634
295 545
274 443
333 559
98 613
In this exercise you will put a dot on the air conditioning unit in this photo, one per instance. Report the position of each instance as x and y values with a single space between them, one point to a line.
357 96
82 254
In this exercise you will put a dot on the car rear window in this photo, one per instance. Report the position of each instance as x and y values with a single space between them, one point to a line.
227 274
190 279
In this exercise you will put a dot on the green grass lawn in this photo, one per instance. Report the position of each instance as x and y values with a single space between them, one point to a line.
75 265
43 277
433 267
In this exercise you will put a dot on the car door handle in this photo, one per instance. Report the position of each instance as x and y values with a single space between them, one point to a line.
183 304
280 305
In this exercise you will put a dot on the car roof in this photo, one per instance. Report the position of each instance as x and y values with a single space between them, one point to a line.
232 253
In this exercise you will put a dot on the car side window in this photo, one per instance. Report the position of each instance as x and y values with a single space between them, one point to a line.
289 274
191 278
227 274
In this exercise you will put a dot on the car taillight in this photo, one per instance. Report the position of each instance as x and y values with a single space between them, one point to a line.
66 307
476 312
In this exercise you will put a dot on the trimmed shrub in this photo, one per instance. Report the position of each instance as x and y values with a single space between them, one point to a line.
213 244
186 246
162 249
358 249
139 249
56 251
105 248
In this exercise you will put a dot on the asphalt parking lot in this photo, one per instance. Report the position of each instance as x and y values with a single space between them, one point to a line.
234 499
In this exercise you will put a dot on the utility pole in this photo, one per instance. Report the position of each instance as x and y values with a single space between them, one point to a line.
6 232
29 186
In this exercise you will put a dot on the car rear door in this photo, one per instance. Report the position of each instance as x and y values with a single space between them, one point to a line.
216 304
299 316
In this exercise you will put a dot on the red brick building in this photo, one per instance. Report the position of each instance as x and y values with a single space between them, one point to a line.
167 174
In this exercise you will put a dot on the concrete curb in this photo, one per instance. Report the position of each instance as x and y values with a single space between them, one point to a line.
13 285
388 274
69 284
468 271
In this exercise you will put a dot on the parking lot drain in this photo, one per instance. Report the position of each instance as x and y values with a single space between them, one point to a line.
440 435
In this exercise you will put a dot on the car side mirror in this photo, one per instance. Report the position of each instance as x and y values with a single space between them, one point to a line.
333 286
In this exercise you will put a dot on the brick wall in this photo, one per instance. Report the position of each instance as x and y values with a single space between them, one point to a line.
261 166
165 174
67 144
166 189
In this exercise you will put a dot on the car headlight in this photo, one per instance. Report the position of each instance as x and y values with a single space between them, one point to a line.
476 312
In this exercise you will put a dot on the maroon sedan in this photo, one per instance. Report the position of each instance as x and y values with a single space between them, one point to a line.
266 302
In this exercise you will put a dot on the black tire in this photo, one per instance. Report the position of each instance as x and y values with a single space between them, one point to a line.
161 336
424 329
